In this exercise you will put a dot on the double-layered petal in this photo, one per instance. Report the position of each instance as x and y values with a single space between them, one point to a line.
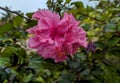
54 37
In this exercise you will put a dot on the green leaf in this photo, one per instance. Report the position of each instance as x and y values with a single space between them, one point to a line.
31 23
8 51
67 77
27 78
67 1
118 28
113 41
21 53
99 10
110 27
11 51
35 62
8 42
85 73
89 9
9 55
115 20
6 27
4 61
92 14
17 21
29 14
99 45
78 4
3 76
100 17
59 1
85 26
114 9
95 81
39 79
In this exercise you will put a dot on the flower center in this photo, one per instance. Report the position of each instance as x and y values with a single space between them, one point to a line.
60 52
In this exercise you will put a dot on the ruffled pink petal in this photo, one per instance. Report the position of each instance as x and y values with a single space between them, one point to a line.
47 50
43 40
33 42
45 23
33 30
59 41
71 19
46 14
82 37
64 24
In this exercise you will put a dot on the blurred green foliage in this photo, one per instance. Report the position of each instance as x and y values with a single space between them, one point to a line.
99 63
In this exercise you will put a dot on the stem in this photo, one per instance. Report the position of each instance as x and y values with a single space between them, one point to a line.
14 13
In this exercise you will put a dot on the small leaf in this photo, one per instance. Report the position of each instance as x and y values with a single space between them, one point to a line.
100 17
6 27
8 51
4 61
17 21
78 4
115 20
85 26
29 15
11 51
59 1
99 45
27 78
67 77
21 53
31 23
3 76
39 79
92 14
85 72
67 1
118 28
99 10
113 41
110 28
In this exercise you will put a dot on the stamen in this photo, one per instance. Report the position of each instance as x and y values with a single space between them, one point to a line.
60 52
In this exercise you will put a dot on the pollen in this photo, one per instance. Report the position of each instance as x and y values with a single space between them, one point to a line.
60 52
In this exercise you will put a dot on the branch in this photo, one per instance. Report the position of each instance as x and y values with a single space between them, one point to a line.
83 14
53 5
66 7
14 13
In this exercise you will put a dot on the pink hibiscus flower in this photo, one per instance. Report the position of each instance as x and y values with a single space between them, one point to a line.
54 37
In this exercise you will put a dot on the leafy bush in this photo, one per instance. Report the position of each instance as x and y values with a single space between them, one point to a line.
99 63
